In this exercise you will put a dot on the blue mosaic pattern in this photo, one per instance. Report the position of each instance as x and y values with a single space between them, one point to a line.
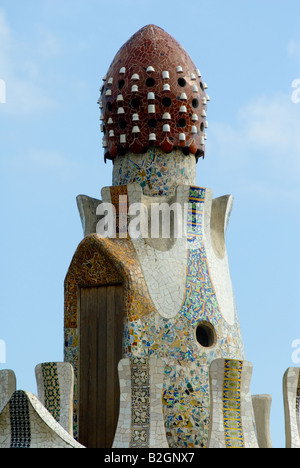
51 389
200 299
157 174
19 420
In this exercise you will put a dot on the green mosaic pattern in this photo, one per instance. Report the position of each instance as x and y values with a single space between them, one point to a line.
51 389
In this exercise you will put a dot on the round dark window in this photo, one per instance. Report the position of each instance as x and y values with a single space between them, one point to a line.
166 101
135 102
181 123
152 123
181 82
122 124
205 334
150 82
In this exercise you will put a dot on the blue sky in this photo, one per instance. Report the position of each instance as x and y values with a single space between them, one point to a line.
53 55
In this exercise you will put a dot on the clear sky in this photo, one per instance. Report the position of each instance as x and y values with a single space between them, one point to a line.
53 55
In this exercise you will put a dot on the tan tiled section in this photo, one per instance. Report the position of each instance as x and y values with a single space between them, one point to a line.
100 261
7 386
141 422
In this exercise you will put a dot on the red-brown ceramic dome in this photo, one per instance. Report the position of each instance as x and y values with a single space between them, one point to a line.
153 95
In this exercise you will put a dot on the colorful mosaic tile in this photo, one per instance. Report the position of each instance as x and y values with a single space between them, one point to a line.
26 423
100 261
232 418
51 389
140 403
200 297
186 390
141 423
55 385
119 198
186 403
157 173
20 421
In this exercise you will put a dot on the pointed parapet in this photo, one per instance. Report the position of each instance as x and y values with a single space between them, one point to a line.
262 408
55 384
26 423
141 422
220 213
291 400
7 386
87 207
232 419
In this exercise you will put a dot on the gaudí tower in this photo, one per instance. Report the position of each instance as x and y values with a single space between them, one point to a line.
151 278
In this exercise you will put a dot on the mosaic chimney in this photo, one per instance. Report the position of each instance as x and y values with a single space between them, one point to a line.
141 296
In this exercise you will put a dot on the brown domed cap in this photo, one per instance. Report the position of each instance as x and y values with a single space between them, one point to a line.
153 95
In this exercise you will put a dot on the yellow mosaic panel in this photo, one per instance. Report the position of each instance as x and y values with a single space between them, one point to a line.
232 415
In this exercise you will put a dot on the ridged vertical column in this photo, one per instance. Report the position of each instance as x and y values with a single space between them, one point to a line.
7 386
232 420
141 423
55 383
262 408
291 399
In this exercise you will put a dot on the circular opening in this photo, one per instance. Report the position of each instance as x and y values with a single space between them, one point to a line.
152 123
166 101
202 126
150 82
181 123
135 102
122 124
205 334
195 103
181 82
109 106
121 84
